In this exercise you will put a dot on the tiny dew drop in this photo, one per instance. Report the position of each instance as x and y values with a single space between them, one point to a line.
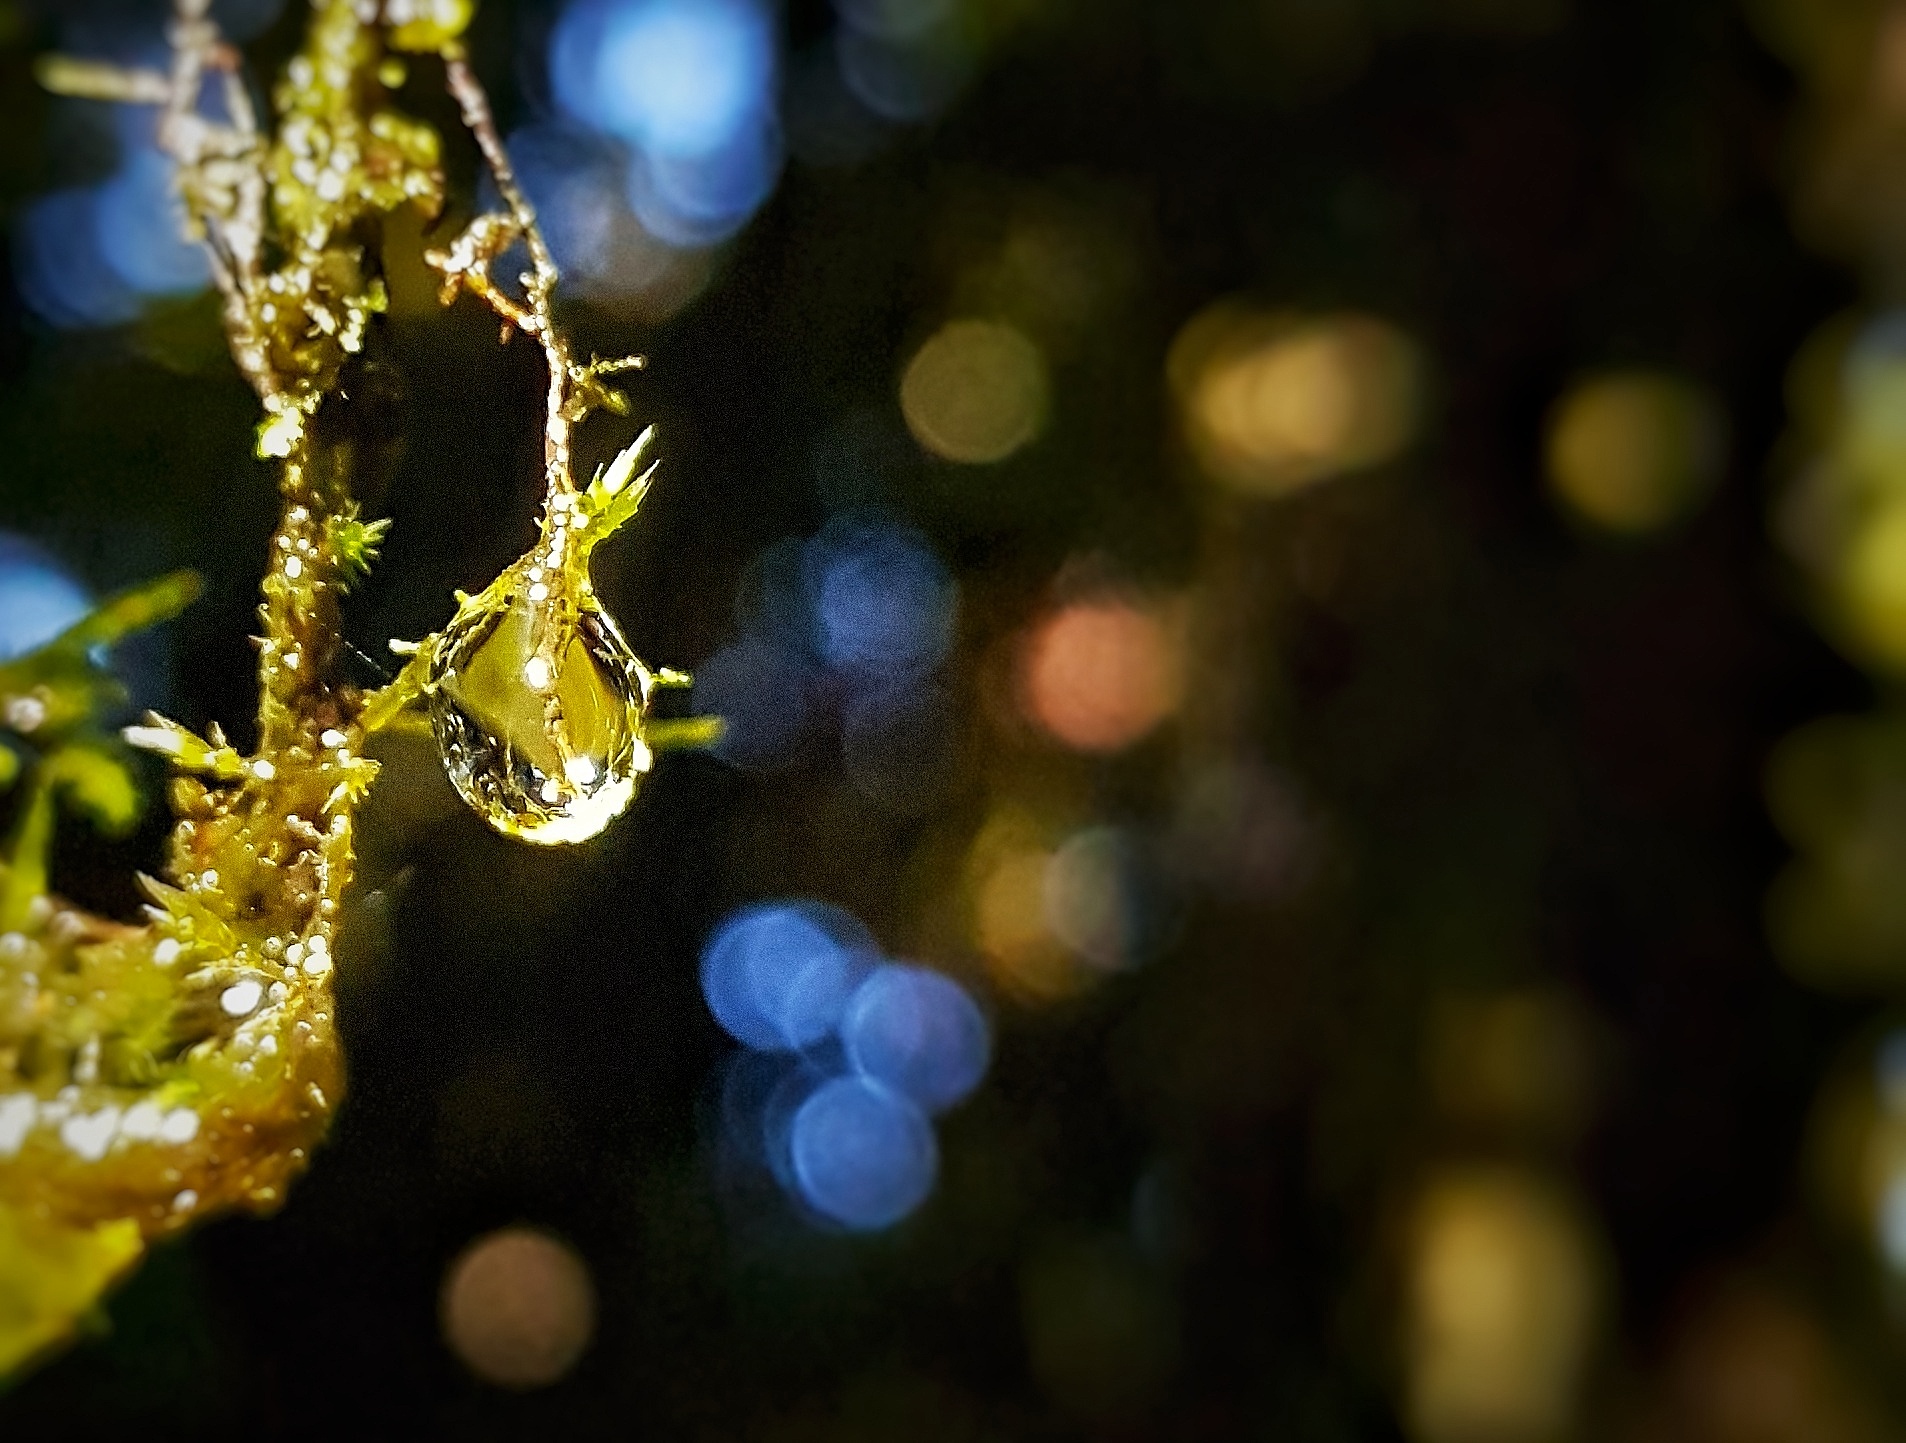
540 730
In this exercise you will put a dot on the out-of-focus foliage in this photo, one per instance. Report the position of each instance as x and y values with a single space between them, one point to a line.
1838 791
1844 515
1502 1297
1837 786
52 700
1848 196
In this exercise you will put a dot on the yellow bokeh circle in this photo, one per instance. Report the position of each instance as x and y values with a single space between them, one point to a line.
1272 403
1631 452
975 392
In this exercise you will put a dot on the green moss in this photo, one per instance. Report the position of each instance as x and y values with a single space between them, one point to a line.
153 1075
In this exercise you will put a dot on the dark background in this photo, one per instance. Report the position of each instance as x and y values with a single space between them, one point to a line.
1539 752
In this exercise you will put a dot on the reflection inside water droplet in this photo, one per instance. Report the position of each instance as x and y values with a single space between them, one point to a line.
540 732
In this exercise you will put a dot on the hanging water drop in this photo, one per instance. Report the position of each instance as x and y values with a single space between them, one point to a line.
538 710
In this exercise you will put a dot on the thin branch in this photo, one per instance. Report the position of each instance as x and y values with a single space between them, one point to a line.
573 390
539 285
474 103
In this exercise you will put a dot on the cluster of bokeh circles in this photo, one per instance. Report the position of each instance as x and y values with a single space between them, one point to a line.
842 635
687 91
850 1057
96 255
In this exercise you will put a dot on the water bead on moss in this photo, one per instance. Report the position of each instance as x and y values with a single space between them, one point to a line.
546 752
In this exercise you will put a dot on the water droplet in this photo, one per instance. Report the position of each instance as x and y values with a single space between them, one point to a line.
241 999
540 732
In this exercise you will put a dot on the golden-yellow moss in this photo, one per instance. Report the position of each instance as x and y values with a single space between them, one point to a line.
153 1074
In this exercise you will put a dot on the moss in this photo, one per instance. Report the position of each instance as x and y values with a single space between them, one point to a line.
154 1074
